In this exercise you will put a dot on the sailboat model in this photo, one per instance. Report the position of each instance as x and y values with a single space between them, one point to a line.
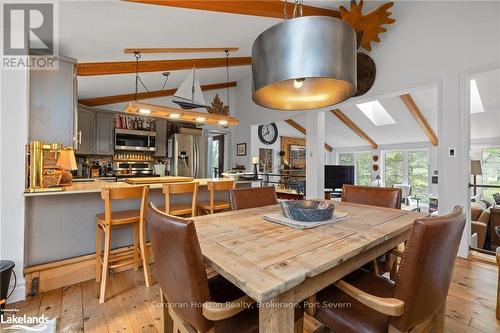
189 95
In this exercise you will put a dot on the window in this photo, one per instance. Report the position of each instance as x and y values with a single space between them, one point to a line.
491 171
418 174
364 169
362 162
409 167
393 168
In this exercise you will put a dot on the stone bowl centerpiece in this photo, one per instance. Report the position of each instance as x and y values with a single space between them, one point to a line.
308 210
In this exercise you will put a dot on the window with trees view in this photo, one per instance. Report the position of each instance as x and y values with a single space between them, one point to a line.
362 165
408 167
491 171
418 174
393 168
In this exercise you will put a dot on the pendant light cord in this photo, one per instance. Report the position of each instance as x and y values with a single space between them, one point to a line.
138 79
137 57
227 76
298 7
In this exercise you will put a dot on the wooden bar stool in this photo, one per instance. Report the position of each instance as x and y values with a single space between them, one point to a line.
180 188
217 205
109 220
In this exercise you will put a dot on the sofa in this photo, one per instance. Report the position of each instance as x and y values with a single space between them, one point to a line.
483 223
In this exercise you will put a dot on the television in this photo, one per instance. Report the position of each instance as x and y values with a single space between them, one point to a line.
338 175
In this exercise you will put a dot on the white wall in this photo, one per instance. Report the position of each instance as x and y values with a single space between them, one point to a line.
431 42
13 137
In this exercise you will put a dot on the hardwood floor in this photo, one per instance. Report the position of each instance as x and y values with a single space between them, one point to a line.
131 307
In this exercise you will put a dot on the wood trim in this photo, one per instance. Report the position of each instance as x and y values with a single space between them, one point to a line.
419 117
254 8
349 123
388 306
70 271
180 49
160 111
127 67
302 130
104 100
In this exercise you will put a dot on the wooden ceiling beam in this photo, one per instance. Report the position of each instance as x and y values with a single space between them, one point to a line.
146 95
180 49
128 67
349 123
302 130
419 117
271 8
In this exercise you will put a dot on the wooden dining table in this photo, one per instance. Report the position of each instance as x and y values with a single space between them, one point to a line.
279 266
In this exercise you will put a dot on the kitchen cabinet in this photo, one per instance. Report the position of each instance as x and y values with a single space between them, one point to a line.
95 132
53 103
86 121
161 138
104 140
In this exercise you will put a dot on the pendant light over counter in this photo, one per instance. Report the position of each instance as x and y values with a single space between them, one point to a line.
304 63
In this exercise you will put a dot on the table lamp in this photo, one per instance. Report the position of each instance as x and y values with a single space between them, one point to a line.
255 162
475 170
66 160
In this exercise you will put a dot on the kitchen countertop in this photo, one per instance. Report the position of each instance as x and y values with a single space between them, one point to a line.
95 186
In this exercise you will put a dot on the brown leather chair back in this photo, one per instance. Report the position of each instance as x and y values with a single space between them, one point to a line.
373 196
426 269
244 198
179 266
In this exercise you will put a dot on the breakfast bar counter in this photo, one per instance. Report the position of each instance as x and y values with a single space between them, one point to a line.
61 225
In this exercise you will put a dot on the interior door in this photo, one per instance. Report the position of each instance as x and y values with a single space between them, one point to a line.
218 144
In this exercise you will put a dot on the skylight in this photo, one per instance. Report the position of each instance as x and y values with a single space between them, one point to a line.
376 113
476 105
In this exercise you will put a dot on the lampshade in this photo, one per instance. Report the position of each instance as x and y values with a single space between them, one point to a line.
66 159
304 63
255 160
476 168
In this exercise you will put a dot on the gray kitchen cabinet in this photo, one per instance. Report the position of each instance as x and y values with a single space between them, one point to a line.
53 100
86 121
161 138
104 139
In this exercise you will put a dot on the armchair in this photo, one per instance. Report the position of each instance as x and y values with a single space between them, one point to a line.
192 302
415 302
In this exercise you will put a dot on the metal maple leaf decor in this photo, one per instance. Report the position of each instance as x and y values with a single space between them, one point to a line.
218 107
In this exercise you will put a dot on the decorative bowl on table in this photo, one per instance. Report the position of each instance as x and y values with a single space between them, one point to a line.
307 210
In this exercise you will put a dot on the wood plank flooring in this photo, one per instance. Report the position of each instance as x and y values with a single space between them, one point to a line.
131 307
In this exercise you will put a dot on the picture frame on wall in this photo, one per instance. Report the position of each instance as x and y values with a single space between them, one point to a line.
241 149
266 160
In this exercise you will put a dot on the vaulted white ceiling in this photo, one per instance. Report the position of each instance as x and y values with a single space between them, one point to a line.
94 31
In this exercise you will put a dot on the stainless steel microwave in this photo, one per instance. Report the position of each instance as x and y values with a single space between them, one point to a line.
135 140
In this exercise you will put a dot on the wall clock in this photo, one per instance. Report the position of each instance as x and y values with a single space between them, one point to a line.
268 133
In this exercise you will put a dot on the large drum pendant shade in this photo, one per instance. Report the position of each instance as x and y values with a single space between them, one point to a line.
304 63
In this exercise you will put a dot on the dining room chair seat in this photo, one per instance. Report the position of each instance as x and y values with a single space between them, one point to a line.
346 319
121 217
218 205
178 209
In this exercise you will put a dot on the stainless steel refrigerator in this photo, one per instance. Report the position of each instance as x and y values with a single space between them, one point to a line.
190 155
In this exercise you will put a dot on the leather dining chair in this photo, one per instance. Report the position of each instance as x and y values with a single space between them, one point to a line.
416 301
184 283
243 198
373 196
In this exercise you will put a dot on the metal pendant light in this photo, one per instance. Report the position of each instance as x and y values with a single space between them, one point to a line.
304 63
